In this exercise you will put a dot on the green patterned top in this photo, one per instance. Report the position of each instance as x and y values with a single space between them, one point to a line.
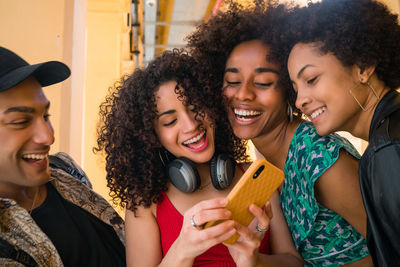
322 236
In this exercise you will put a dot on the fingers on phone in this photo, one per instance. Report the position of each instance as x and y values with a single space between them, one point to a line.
262 216
208 215
219 232
210 204
247 236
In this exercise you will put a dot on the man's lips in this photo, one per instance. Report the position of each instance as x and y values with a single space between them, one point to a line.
36 159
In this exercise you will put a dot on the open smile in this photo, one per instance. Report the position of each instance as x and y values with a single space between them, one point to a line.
197 143
36 159
314 115
246 116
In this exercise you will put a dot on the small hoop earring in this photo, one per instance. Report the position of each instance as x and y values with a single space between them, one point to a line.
290 112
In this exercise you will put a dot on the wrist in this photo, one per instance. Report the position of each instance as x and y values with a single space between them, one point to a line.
179 256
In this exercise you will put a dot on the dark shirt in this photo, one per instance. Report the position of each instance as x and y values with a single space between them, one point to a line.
80 238
380 182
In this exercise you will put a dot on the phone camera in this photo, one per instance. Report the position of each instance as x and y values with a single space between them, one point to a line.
257 173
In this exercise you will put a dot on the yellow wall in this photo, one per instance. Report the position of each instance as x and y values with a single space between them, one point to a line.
107 57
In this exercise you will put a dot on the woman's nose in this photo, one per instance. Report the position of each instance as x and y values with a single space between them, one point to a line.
303 98
245 92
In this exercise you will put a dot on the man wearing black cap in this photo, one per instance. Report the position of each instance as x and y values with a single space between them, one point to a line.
49 216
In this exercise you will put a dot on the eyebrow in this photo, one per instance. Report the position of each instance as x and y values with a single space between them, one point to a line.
261 70
23 109
234 70
257 70
167 112
303 69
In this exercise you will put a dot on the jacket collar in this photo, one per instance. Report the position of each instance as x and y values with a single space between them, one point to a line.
389 103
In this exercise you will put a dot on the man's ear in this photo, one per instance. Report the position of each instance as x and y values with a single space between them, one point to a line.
364 73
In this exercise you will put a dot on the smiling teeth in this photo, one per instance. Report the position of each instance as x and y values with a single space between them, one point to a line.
35 156
317 112
242 112
194 139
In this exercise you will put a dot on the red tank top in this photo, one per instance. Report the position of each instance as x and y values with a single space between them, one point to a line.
170 223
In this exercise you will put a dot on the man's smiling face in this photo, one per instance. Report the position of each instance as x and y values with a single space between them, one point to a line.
25 136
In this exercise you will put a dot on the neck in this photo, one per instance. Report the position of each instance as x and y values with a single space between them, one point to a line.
274 145
26 197
204 171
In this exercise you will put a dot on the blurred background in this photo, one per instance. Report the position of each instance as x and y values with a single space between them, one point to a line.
100 40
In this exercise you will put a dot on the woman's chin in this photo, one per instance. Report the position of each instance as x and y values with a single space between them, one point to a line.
244 133
322 131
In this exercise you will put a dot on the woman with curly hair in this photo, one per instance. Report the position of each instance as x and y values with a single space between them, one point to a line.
163 141
345 68
320 197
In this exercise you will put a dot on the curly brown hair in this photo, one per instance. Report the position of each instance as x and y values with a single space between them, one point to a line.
358 32
213 41
135 173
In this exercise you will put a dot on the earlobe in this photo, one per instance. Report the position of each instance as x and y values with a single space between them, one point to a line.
365 73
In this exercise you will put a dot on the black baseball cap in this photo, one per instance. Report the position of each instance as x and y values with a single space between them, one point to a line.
14 69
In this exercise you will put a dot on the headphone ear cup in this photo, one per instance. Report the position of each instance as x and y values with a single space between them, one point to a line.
183 175
222 170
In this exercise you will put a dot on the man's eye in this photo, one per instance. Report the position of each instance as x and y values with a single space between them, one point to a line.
47 117
169 123
18 122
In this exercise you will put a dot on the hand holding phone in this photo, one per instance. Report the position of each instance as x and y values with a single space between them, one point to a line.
256 186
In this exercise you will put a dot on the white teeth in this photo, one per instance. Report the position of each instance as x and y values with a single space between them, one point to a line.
35 156
194 139
243 112
244 119
317 112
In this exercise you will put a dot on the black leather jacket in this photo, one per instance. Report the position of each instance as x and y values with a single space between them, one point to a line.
380 182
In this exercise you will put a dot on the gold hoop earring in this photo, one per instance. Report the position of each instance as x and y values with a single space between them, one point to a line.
373 90
364 109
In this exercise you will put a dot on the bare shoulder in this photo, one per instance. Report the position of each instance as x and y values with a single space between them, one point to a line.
142 225
141 213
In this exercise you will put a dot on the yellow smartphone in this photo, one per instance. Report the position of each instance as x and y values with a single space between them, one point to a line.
256 186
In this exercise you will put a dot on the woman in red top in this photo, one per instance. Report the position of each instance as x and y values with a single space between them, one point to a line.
164 143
